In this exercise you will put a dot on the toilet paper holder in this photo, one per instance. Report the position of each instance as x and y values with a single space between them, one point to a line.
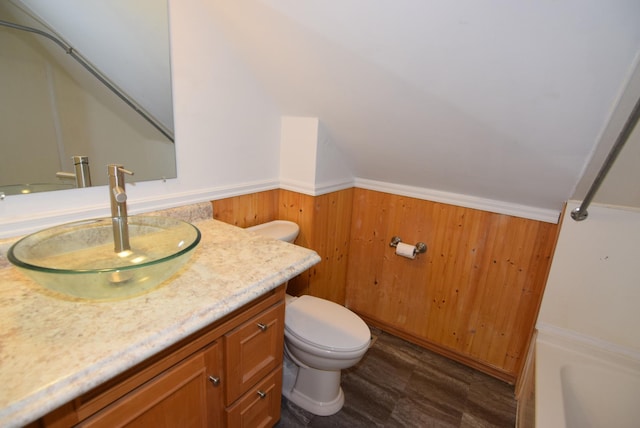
421 247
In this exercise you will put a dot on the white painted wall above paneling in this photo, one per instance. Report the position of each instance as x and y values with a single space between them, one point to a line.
493 99
309 162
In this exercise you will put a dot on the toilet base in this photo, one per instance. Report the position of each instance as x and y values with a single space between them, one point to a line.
316 391
320 409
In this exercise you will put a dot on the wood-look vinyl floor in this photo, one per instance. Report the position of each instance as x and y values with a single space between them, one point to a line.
398 384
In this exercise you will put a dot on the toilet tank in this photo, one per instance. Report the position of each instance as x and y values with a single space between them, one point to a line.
278 229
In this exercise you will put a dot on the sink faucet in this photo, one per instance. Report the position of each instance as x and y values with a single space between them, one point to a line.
82 176
118 198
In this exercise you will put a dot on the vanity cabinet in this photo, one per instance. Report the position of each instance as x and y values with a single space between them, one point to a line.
254 370
260 406
228 374
172 399
254 349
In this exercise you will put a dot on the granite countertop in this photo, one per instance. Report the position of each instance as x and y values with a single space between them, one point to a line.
52 348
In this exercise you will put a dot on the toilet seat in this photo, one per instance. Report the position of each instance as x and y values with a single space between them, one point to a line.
325 325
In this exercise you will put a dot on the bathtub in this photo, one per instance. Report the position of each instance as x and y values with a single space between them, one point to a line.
583 382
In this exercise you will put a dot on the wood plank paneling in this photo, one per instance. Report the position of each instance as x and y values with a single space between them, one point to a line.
298 208
247 210
476 291
324 222
331 233
474 296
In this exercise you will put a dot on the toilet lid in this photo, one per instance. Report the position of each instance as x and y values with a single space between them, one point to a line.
326 324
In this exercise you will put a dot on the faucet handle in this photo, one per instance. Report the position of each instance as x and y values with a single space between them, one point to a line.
119 194
116 182
116 170
125 171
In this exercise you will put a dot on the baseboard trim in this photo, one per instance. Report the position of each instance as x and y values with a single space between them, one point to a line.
488 369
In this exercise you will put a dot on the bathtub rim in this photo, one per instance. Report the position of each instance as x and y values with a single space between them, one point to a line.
556 348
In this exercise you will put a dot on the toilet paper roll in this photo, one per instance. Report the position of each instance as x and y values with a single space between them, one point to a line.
406 250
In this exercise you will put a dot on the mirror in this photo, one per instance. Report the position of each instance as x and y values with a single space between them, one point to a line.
52 108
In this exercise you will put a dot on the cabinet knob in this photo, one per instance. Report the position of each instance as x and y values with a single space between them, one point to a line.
214 380
262 326
262 394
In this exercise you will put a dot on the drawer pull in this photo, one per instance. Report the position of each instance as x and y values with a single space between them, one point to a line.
262 394
214 380
262 327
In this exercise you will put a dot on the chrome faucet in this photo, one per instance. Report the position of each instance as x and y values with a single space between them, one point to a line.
82 176
118 198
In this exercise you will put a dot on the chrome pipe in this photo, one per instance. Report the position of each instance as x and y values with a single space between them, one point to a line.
83 175
580 213
118 199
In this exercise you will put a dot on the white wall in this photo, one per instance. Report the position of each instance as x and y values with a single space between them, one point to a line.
309 161
594 284
227 134
298 151
493 99
484 109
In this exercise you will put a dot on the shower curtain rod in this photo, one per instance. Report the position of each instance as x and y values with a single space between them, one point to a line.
580 213
103 79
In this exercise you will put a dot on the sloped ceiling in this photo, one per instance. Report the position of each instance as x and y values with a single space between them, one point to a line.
493 99
620 186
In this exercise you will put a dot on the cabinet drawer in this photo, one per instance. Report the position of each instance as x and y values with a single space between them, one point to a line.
253 350
260 406
183 396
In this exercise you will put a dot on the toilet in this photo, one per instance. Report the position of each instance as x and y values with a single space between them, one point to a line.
320 339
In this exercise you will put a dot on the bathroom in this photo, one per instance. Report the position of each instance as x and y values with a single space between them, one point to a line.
498 132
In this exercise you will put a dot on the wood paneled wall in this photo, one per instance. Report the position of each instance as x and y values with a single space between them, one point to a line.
325 223
325 226
247 210
473 296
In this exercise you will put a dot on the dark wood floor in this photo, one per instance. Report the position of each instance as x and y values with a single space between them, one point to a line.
398 384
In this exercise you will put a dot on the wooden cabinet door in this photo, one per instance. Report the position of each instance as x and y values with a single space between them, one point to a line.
253 350
260 406
183 396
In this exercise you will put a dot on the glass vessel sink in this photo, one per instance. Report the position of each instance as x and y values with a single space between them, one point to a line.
78 259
